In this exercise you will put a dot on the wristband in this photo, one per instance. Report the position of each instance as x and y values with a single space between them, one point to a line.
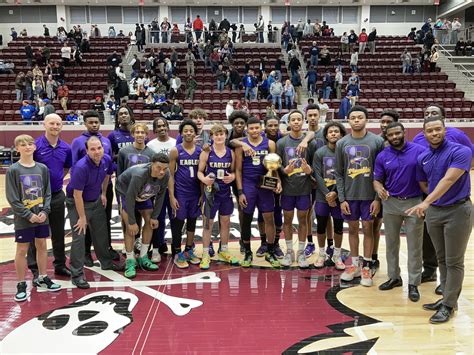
240 192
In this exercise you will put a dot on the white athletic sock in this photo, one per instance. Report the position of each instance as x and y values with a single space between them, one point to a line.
224 247
289 244
144 250
355 261
322 251
205 251
155 250
337 251
131 255
301 246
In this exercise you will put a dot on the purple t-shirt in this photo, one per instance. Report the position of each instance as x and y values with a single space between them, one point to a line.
78 146
396 169
186 182
433 165
88 177
452 134
55 158
120 138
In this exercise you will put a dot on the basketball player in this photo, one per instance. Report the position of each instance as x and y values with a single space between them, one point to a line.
249 170
135 188
185 193
218 164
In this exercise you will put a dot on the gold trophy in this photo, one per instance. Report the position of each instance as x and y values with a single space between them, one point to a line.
272 163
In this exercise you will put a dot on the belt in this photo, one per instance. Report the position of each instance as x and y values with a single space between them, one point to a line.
405 198
460 202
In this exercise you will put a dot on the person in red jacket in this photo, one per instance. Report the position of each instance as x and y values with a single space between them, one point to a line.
363 39
63 93
198 26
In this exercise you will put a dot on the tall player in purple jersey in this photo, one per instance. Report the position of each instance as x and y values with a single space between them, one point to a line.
121 137
216 172
185 193
249 169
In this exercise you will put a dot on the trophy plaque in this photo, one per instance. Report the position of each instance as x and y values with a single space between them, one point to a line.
272 163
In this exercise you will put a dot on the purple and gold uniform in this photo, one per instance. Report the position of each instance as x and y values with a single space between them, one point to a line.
221 166
252 170
187 188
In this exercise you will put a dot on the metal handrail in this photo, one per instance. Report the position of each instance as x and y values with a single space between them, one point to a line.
464 70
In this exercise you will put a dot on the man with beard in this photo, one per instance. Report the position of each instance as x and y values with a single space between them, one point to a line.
120 137
443 174
136 188
355 158
395 184
185 194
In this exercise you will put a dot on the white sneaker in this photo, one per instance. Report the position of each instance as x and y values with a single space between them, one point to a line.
124 251
366 279
155 256
350 273
338 263
302 262
319 263
288 259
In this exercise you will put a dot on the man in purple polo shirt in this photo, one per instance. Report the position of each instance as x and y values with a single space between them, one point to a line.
86 202
78 146
443 174
395 183
430 263
56 155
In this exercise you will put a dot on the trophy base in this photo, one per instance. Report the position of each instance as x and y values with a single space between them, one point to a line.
268 182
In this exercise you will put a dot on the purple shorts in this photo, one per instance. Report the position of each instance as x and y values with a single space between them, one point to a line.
261 198
28 235
223 204
301 203
324 210
188 207
359 210
139 206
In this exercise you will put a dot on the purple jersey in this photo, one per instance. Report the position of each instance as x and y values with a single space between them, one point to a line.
186 182
120 138
220 167
252 167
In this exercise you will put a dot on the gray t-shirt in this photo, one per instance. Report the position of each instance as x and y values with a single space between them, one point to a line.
324 171
355 159
319 138
28 192
137 185
130 156
297 183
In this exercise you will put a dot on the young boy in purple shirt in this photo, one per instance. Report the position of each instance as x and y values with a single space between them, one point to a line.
28 192
443 174
395 184
185 193
218 165
249 170
86 203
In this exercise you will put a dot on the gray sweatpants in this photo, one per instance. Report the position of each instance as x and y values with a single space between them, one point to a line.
450 229
393 217
96 222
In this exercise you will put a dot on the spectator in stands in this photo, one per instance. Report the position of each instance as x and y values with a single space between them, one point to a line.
363 39
353 85
136 65
72 116
371 40
24 33
37 88
250 82
352 40
99 106
189 58
308 29
260 28
59 72
468 49
111 106
429 40
243 105
48 107
270 35
63 96
95 31
234 78
289 93
120 34
66 54
311 79
19 86
345 43
29 55
13 33
133 38
46 54
412 34
138 37
112 33
460 48
327 85
46 31
325 56
338 81
215 59
354 60
455 29
406 60
198 27
176 111
294 65
149 102
114 59
191 86
296 82
29 78
175 33
221 78
27 111
323 109
313 54
264 87
165 27
285 37
433 59
276 90
77 56
175 85
345 106
299 30
426 26
229 108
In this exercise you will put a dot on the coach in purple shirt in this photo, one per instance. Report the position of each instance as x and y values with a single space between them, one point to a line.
56 155
78 146
86 206
443 174
395 183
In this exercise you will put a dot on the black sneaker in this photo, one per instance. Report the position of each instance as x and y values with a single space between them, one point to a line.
88 261
114 255
242 247
247 262
45 283
374 266
163 248
21 294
